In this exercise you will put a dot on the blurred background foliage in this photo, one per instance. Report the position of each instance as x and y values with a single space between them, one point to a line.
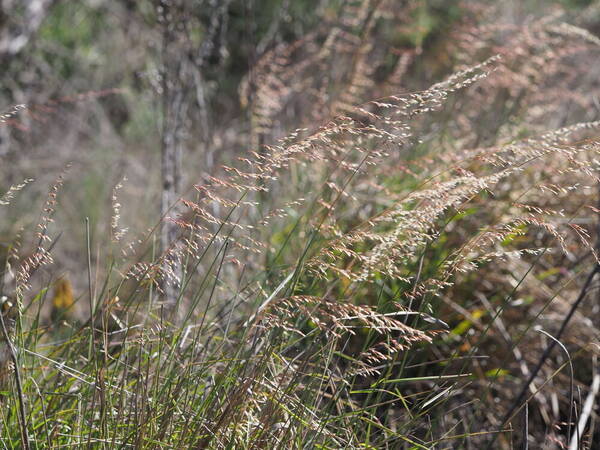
90 75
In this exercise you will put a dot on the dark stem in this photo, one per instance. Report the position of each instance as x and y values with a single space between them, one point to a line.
521 397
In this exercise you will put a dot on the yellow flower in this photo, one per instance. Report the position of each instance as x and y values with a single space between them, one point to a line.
63 295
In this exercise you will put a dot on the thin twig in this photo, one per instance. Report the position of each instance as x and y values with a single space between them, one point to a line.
586 411
571 383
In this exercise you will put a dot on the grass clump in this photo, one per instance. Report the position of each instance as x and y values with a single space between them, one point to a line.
371 282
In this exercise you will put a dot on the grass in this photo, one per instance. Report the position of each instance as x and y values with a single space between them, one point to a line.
376 281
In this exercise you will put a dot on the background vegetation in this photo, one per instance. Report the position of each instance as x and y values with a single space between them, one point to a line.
381 227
